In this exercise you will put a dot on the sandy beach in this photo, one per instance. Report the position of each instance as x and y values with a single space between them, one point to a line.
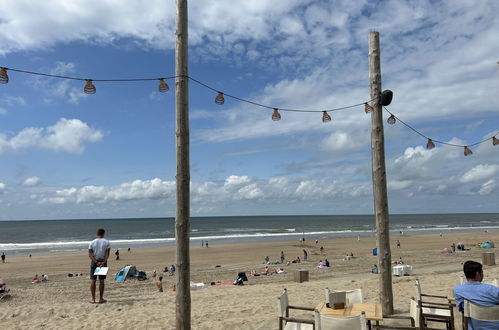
62 302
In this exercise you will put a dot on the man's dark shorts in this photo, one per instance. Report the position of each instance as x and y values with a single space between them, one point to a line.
93 265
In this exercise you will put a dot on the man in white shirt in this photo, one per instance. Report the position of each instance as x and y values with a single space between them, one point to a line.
98 252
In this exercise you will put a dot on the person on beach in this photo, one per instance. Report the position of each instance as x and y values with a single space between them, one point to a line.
129 250
202 243
305 254
159 284
374 270
322 250
398 244
206 243
316 241
3 257
98 252
117 254
266 260
476 292
282 257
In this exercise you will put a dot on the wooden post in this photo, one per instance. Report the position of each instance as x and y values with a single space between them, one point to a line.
379 178
182 226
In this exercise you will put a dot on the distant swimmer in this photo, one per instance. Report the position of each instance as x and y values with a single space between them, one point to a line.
3 257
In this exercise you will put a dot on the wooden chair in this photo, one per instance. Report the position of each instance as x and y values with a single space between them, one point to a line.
423 310
481 313
397 327
290 323
328 322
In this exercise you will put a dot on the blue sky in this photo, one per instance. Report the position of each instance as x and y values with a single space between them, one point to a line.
64 154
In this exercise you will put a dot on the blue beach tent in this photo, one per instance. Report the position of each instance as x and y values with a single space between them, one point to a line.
125 273
375 251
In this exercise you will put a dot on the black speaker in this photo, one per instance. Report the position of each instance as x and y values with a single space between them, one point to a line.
386 97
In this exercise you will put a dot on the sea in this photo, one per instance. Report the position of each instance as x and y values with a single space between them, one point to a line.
65 236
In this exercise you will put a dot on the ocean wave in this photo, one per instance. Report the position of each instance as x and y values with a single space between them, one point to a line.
64 245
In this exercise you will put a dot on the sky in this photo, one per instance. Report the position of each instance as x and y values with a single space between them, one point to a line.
66 155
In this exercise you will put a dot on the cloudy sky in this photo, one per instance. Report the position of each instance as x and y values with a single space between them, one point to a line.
64 154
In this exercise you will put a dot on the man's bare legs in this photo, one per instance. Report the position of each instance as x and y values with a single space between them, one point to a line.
92 290
101 292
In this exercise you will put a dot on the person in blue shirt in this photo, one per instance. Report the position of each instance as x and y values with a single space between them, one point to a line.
478 293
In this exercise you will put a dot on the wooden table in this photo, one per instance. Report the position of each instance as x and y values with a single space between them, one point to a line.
373 311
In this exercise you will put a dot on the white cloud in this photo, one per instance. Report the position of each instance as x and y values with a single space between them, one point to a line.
67 135
3 111
2 186
234 188
31 181
479 172
398 185
487 187
135 190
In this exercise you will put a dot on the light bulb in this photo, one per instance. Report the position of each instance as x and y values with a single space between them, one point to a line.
368 108
89 87
391 120
163 86
4 77
276 115
325 117
220 98
430 144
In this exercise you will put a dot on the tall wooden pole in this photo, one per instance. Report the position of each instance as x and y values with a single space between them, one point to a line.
379 178
182 226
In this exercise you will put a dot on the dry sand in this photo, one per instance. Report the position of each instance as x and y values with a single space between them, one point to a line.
62 303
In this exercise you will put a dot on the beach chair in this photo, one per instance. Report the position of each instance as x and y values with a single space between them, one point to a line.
397 327
328 322
423 310
481 313
290 323
352 296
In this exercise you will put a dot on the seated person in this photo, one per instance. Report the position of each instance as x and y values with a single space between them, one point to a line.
297 260
326 263
279 270
476 292
374 270
266 270
320 264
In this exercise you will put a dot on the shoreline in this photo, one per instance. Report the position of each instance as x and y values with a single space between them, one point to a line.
139 244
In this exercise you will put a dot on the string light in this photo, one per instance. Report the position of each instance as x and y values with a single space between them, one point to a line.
276 115
384 99
220 98
163 86
391 120
430 145
431 142
368 108
89 87
4 77
325 117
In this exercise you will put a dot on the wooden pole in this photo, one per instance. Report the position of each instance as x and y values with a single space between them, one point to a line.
182 226
379 178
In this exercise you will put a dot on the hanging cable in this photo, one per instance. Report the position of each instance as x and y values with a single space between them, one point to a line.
431 141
